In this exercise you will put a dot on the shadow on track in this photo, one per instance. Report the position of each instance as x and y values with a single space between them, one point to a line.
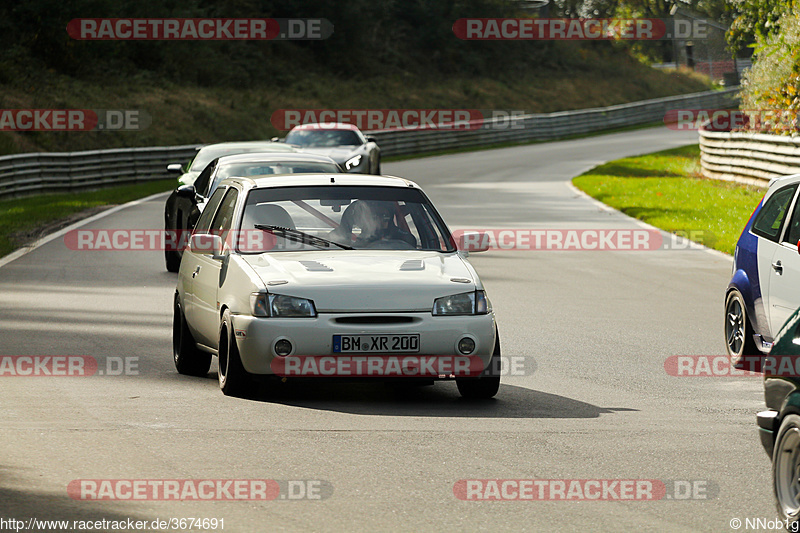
24 503
440 400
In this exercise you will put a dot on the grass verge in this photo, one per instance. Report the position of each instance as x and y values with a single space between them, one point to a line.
665 189
186 114
24 220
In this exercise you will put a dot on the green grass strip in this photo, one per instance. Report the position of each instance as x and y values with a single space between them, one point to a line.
665 189
23 220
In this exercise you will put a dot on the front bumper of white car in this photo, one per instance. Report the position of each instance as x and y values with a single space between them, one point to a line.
256 337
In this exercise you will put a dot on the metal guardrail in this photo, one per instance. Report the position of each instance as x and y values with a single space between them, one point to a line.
752 158
548 126
27 174
35 173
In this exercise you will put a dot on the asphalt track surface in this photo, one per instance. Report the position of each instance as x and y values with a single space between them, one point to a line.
596 325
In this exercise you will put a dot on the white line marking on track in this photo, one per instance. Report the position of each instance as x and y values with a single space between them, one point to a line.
16 254
645 225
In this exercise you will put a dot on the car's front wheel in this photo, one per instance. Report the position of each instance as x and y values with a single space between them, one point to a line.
234 380
738 331
786 469
487 385
188 358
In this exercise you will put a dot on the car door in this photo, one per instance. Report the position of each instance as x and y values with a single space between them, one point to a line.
195 206
768 225
784 285
205 286
191 264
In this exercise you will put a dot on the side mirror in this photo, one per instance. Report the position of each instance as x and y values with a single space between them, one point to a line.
187 191
175 168
472 241
371 139
206 244
275 139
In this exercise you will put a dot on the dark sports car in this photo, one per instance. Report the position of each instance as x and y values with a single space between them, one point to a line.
342 142
186 203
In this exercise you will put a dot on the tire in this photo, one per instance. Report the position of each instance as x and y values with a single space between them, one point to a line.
487 385
189 360
378 167
233 378
785 464
172 260
738 331
171 257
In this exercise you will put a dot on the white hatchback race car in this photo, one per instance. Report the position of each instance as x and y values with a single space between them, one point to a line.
336 275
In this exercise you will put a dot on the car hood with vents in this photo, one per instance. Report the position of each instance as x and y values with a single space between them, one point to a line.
365 280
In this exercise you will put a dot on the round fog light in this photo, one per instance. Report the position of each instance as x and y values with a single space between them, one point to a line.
466 346
283 347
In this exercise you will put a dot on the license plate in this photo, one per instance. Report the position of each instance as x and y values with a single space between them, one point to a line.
375 343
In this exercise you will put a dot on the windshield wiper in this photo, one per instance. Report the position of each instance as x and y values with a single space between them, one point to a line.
301 236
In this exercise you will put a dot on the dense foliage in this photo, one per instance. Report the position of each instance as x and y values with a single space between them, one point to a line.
755 19
772 85
370 38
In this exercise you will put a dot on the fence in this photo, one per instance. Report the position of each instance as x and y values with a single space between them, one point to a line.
35 173
752 158
27 174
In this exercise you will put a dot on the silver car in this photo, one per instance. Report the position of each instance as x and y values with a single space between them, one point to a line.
342 142
338 271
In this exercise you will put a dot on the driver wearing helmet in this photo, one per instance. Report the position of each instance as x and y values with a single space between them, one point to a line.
379 224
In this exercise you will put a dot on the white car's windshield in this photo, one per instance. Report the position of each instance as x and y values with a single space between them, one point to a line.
323 138
387 218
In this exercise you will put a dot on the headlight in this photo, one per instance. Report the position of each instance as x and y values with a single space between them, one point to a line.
279 305
352 162
467 303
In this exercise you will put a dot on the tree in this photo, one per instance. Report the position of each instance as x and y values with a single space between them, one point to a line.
756 20
772 85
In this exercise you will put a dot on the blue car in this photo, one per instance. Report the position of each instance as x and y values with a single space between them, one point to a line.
765 287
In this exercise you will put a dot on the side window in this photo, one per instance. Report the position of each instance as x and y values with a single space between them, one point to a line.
770 219
204 223
201 183
792 235
224 217
429 237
